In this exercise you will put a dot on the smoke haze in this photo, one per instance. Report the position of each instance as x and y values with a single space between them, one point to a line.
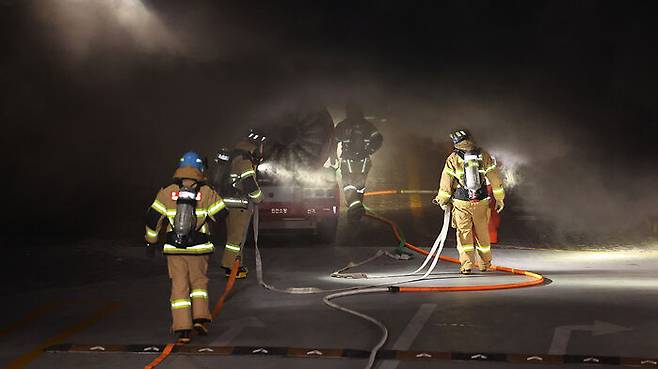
100 97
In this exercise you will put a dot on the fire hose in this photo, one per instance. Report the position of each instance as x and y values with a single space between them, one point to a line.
434 254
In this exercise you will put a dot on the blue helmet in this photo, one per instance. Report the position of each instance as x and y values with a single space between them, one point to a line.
191 159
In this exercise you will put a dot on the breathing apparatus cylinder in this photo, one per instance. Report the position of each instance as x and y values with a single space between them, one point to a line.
472 172
185 219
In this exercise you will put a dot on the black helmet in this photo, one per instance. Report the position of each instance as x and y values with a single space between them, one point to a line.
257 137
459 136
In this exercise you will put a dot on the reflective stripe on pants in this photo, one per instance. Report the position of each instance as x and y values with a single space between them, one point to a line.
472 222
189 284
237 227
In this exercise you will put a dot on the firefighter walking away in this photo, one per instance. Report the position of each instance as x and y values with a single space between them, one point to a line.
184 208
464 183
359 139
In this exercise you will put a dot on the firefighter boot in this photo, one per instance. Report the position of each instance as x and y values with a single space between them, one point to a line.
184 336
201 326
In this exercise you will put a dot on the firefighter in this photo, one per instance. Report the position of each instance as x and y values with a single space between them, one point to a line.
184 208
241 194
359 139
463 182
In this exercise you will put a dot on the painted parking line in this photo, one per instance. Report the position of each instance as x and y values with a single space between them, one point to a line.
346 353
410 333
28 357
30 317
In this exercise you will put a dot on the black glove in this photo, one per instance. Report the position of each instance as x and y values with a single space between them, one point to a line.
150 251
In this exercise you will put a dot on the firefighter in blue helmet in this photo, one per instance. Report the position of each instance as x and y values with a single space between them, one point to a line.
358 139
184 208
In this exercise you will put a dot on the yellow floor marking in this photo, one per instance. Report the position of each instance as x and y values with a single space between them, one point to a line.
30 317
28 357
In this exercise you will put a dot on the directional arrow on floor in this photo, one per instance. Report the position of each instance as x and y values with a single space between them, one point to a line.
233 328
563 334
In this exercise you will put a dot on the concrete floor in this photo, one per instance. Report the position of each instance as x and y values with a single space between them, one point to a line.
596 303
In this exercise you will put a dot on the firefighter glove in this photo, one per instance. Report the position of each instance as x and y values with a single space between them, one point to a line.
499 206
437 201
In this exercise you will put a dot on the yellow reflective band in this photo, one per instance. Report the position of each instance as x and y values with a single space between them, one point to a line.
203 248
449 171
248 173
171 212
484 248
354 203
199 294
444 194
216 207
232 247
467 248
151 233
159 207
499 191
181 304
256 194
200 212
490 168
204 228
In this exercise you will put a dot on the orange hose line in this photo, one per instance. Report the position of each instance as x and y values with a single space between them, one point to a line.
161 357
381 193
537 279
229 286
215 312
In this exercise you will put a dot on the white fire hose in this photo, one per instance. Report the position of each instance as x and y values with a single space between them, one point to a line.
434 253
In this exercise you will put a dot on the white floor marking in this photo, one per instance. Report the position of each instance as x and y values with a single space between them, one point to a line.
410 333
563 334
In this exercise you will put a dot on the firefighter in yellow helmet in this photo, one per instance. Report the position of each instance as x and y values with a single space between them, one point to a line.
184 208
463 182
240 189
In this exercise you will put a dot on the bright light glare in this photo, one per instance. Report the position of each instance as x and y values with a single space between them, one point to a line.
81 24
317 178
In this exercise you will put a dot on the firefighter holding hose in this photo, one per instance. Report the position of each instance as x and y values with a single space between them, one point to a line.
184 208
237 182
359 139
464 183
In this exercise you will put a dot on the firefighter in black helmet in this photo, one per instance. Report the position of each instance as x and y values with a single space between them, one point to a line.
359 139
241 192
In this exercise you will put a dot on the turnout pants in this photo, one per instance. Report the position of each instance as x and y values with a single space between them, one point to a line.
189 289
354 174
472 222
237 227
